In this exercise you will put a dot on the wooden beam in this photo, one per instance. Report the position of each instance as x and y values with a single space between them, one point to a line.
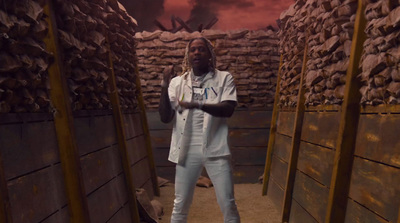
176 29
343 162
272 132
184 25
211 23
63 120
147 136
294 153
398 217
5 210
159 25
173 22
200 28
121 136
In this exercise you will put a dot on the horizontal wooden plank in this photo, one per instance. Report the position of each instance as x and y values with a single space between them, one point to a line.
107 200
282 146
36 196
382 108
122 216
161 157
15 118
285 123
133 125
355 213
316 162
91 113
279 170
250 119
136 149
321 128
299 215
375 186
378 138
61 216
311 195
93 133
247 174
160 138
27 147
248 156
154 121
100 167
324 108
140 172
275 194
248 137
167 172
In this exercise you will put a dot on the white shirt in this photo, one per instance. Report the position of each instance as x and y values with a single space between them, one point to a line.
216 87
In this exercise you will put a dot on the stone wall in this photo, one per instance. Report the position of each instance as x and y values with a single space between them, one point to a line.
327 29
251 56
23 58
82 30
83 27
380 62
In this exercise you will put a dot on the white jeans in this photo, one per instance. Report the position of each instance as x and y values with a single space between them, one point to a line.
220 173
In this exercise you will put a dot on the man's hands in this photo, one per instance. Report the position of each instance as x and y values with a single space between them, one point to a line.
189 105
167 75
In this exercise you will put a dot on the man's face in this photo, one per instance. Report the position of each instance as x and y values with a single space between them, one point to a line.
199 55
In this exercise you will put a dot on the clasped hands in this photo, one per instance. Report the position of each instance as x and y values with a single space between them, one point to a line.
167 76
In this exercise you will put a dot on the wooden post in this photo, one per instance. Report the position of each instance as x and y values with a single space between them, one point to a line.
160 26
211 23
5 211
272 132
340 181
294 153
63 120
146 132
173 22
398 217
122 146
183 24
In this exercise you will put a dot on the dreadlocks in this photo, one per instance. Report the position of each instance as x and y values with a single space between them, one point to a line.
213 60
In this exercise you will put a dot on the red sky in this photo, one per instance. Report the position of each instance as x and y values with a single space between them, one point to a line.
258 14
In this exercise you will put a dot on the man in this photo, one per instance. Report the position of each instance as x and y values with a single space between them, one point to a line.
200 100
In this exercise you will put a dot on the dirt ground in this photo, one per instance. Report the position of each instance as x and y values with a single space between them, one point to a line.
253 208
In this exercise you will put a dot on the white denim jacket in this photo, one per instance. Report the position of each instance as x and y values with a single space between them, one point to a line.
218 87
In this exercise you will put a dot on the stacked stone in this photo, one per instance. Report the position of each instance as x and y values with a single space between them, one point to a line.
329 41
155 51
380 62
24 82
253 59
292 42
250 56
83 29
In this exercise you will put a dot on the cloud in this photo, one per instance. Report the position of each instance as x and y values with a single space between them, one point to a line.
224 3
232 14
204 11
144 11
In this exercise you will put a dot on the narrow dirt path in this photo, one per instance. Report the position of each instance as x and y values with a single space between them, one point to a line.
253 208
